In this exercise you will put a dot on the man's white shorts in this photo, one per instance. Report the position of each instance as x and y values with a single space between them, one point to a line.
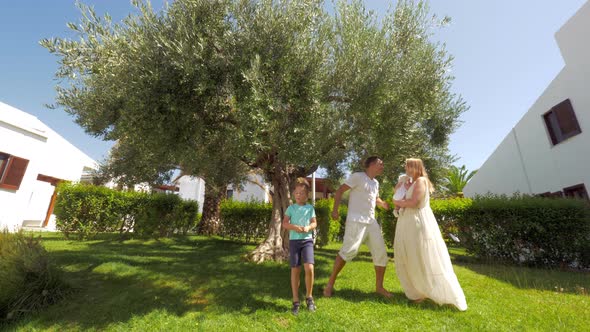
356 233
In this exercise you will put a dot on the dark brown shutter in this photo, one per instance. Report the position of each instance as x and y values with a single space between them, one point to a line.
550 127
14 173
568 123
3 162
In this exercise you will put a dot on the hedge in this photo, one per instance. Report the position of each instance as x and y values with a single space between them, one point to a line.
528 230
248 221
86 210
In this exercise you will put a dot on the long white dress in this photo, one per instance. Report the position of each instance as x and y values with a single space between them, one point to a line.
422 261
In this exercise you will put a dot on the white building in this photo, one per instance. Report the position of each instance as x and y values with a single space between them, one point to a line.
33 159
253 189
193 188
548 151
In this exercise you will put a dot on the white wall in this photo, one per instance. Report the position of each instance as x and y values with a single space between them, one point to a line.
24 136
192 188
547 167
502 173
251 190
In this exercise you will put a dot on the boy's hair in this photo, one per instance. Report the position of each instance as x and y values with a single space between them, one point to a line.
302 182
371 160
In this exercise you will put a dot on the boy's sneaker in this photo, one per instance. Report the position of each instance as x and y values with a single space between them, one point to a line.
310 304
295 309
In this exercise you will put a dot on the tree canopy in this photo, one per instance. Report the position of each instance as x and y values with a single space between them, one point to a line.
280 86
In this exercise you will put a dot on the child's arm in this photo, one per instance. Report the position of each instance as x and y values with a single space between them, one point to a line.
290 227
312 225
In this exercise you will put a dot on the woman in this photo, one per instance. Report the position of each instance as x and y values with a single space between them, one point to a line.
422 261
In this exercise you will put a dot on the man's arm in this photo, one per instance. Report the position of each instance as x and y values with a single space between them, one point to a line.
337 197
382 203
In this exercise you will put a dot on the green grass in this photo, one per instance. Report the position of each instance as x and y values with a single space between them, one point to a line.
198 283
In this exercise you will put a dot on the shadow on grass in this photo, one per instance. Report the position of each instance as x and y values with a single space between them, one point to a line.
524 277
117 281
533 278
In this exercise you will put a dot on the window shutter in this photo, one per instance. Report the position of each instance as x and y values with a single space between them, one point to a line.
14 173
550 122
568 123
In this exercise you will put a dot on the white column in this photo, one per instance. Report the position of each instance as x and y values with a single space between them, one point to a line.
313 188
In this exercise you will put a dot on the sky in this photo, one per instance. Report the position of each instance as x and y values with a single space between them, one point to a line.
505 55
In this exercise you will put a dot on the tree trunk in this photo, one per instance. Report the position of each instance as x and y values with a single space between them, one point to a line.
276 245
210 220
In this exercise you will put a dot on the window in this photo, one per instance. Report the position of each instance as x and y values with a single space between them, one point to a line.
229 194
12 171
561 122
557 194
577 191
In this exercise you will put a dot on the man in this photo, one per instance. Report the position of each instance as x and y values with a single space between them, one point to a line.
361 225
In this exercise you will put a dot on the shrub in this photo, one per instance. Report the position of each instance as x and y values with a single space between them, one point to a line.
27 279
247 221
328 229
157 218
528 230
86 210
448 213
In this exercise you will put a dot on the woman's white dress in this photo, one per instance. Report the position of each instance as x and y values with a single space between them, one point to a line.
422 261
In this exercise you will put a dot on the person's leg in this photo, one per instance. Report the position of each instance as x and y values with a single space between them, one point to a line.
378 250
353 237
308 265
309 276
295 260
295 272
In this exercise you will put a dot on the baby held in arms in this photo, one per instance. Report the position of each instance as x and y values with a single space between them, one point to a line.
403 183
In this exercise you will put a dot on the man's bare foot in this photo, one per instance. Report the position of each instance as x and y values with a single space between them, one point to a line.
384 292
328 290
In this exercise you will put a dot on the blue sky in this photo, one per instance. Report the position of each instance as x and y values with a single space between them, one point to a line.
505 56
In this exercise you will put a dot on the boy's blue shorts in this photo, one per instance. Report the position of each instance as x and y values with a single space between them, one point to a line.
301 251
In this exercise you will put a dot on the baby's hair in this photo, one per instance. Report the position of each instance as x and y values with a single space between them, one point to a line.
302 182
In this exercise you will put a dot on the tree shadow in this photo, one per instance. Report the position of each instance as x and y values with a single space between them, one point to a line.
116 281
532 278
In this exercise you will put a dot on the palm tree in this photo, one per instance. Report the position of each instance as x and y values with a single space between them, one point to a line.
456 179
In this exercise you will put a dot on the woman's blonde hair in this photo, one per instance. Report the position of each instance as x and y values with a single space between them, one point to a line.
415 169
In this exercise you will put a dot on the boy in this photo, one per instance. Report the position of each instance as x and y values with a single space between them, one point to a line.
300 220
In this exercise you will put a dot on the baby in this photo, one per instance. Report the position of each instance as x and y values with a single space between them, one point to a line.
403 183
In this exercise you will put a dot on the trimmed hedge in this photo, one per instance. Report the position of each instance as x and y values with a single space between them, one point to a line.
87 210
246 221
520 229
28 281
328 230
528 230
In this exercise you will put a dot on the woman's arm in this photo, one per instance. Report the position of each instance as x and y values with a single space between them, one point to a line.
419 188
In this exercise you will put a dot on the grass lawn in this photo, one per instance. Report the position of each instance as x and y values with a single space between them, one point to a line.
198 283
